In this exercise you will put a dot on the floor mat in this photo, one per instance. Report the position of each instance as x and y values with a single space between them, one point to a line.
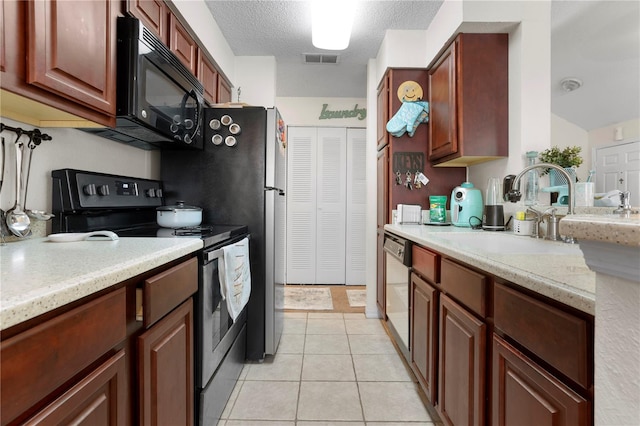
307 298
357 298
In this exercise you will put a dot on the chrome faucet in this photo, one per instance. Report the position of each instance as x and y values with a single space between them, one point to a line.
537 221
625 205
514 194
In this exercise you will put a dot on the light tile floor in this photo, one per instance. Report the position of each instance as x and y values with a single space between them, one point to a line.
331 369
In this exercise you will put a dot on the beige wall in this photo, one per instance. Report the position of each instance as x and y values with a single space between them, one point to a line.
565 134
75 149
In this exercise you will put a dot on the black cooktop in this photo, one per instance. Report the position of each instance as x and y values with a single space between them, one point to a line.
210 234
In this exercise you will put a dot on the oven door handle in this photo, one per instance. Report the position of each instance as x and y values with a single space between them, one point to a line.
215 254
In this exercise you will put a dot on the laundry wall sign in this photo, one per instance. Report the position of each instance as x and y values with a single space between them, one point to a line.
411 113
355 112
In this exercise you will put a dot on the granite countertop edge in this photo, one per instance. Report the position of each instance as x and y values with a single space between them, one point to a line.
613 228
508 268
142 255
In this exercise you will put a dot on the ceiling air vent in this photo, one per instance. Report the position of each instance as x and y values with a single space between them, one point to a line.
318 58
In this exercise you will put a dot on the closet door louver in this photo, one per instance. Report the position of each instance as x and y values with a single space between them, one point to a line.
331 208
356 206
301 205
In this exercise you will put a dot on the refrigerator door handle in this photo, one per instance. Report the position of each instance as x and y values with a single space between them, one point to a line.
273 188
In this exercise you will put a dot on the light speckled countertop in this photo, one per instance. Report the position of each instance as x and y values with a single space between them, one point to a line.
38 275
610 228
558 272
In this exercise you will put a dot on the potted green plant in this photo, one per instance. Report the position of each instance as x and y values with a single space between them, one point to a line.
568 158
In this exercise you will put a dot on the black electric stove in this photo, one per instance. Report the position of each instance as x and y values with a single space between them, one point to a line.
84 201
211 234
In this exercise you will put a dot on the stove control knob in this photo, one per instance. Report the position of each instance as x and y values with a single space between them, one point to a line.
151 193
89 189
159 193
103 190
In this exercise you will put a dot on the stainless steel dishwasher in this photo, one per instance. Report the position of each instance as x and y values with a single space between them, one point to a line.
397 259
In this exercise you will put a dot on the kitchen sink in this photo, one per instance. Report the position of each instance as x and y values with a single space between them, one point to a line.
507 243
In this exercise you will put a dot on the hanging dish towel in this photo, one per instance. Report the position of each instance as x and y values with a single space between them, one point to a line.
235 276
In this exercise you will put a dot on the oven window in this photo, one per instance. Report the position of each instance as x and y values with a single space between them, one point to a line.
220 315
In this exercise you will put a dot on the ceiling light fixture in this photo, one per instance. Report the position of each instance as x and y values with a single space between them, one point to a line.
570 84
332 22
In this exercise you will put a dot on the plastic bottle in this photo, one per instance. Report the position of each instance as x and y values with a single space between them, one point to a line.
531 181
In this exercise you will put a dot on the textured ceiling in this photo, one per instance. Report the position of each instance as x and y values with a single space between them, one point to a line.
596 41
283 29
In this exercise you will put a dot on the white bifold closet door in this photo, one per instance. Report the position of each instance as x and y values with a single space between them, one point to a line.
320 172
356 206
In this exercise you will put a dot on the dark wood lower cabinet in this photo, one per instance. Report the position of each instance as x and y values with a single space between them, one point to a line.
424 332
526 395
462 364
165 354
97 400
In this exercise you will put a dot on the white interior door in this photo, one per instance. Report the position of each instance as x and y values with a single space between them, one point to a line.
301 205
331 207
618 167
356 207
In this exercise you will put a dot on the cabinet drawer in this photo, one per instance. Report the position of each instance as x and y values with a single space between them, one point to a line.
163 292
466 286
426 263
38 361
559 338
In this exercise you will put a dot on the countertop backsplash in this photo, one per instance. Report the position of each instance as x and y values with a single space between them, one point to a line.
68 148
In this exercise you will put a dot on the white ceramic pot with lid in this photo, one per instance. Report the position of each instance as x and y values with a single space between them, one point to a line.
178 215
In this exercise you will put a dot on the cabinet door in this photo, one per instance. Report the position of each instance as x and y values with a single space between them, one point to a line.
208 76
380 288
49 355
524 394
165 365
72 50
443 132
461 375
153 14
383 112
383 187
424 327
99 399
182 44
224 90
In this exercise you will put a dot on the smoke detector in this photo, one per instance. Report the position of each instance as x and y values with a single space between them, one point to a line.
570 84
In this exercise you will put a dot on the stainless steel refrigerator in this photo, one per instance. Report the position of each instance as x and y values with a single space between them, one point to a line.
240 178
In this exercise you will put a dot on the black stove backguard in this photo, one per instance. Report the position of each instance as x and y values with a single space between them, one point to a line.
84 201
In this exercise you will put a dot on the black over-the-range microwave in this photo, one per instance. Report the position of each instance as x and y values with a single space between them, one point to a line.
159 102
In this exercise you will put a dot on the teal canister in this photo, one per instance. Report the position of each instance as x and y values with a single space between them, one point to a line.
438 208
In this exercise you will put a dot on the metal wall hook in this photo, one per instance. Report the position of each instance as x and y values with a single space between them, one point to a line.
35 136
